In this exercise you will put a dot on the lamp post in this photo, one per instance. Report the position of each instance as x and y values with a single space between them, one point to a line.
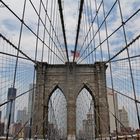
99 137
110 136
46 137
35 137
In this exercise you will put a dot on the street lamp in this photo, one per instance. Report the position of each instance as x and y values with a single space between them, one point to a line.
46 137
110 136
99 136
35 137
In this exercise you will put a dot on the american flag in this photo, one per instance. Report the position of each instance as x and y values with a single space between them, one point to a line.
77 54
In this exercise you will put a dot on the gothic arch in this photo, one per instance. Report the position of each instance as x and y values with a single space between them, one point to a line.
91 93
57 103
88 88
54 88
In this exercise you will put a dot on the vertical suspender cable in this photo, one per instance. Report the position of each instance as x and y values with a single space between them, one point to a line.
63 27
78 27
15 72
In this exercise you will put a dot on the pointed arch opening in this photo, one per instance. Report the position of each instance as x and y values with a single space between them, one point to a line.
57 115
85 114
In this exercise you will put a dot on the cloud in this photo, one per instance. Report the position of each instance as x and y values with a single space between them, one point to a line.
10 27
71 19
10 24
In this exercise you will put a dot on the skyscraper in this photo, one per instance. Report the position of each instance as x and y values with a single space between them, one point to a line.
123 117
88 131
22 116
11 95
113 110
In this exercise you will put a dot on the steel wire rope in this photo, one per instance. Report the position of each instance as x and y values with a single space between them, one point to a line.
109 35
113 116
31 30
52 27
50 37
90 29
15 71
130 66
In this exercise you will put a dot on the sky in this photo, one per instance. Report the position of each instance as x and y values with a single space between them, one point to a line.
10 27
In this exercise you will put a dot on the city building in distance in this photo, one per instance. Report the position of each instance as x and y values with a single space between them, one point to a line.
113 109
123 117
22 116
11 95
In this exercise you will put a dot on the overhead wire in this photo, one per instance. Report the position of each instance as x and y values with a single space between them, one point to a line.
31 30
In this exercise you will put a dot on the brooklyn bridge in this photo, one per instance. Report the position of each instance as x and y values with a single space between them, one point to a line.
69 70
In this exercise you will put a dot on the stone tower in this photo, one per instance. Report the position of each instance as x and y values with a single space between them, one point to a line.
71 78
